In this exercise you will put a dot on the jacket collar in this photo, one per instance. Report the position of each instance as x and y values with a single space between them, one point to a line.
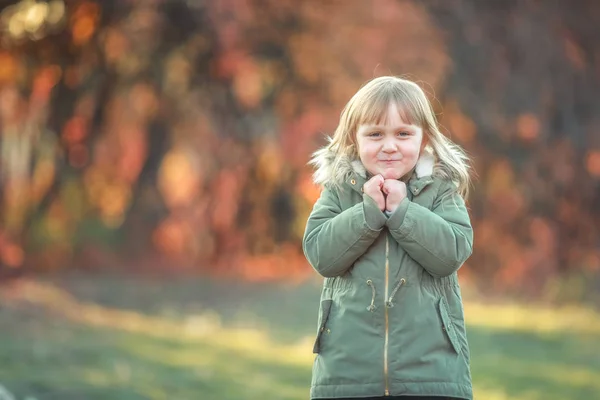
353 173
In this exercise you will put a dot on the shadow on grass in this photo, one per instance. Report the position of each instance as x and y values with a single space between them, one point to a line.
77 362
68 356
536 366
287 311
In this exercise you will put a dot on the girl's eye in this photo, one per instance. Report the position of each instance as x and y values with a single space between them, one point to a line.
375 134
403 133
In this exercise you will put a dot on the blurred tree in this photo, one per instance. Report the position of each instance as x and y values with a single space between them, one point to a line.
150 133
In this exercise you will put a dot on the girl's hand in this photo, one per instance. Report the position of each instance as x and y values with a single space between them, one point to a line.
373 189
395 191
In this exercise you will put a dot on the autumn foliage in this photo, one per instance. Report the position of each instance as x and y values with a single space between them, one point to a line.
175 134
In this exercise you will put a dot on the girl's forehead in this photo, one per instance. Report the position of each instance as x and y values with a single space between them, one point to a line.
390 114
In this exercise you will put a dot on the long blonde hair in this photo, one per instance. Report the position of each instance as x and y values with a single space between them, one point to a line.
369 106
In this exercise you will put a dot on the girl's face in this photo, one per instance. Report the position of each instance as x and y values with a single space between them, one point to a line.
391 148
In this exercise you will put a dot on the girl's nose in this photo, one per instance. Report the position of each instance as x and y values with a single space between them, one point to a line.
389 146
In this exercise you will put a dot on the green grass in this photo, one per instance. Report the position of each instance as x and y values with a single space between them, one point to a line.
125 338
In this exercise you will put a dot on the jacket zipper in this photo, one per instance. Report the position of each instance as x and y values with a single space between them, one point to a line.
388 305
385 346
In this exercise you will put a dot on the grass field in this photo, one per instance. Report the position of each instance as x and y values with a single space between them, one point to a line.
125 338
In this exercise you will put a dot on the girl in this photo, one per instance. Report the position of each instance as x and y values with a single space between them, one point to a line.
388 233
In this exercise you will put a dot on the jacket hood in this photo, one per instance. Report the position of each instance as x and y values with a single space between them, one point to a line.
325 174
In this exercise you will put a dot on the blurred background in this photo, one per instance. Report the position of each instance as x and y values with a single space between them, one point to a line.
154 187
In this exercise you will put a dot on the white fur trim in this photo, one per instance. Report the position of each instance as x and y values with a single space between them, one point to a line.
425 164
359 168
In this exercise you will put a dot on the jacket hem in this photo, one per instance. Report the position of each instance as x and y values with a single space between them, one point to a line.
443 389
346 390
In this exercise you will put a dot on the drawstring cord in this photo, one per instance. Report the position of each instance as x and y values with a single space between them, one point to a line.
372 305
390 303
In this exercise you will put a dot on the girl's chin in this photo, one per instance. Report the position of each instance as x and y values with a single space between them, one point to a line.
391 174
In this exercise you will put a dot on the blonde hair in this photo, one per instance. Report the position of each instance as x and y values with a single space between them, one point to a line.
369 106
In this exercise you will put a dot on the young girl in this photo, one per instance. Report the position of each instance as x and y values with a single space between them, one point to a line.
388 233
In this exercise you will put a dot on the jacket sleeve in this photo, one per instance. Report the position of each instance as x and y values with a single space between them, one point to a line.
335 238
440 239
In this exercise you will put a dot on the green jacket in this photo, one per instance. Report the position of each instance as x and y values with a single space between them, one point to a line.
391 319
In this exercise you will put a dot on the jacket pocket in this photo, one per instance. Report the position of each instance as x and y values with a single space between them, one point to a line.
448 326
325 311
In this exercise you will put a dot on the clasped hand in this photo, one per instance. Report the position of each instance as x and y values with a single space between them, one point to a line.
387 193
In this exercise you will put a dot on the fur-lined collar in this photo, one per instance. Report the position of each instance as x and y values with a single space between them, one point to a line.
326 175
